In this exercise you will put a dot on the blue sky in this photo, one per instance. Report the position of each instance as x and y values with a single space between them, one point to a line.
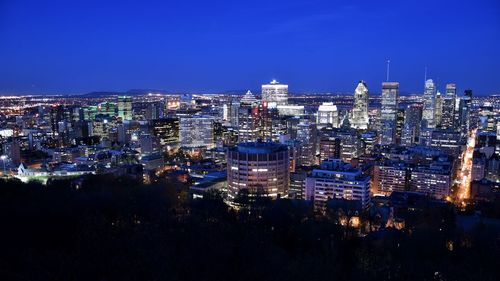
189 46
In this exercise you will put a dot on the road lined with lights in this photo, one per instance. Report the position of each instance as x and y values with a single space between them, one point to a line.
465 175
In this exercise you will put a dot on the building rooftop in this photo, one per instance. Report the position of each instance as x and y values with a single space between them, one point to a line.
259 147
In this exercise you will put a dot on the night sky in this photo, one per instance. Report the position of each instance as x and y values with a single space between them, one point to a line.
66 47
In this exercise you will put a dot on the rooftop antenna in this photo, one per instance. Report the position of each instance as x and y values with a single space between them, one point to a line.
425 74
388 62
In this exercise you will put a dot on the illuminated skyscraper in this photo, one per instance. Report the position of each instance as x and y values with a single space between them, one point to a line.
438 112
428 117
248 122
464 112
306 134
125 107
390 91
360 109
327 114
248 99
275 94
411 127
448 111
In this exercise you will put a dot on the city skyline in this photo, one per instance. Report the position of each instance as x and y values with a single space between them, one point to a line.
53 48
249 140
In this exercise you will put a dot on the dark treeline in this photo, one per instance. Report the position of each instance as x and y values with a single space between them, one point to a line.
106 228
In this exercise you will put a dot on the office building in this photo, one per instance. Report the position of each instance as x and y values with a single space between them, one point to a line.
327 115
258 167
275 94
390 94
125 108
359 118
429 105
196 131
448 112
166 129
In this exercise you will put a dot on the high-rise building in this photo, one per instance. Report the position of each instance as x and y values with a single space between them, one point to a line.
411 128
438 111
337 180
275 94
428 117
329 147
106 108
327 114
369 140
400 122
448 141
125 108
390 92
248 122
464 112
249 99
448 112
155 110
359 118
258 167
197 131
166 129
306 134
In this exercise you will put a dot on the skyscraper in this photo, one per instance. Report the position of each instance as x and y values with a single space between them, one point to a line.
360 109
125 107
388 112
428 119
275 94
448 111
248 122
306 134
327 114
464 109
438 112
248 99
411 128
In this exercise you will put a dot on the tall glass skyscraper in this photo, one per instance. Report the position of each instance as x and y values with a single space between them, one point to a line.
448 113
429 104
360 109
390 93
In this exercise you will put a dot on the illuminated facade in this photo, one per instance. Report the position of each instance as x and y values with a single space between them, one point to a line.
125 108
166 129
448 108
197 131
258 167
359 118
390 93
275 94
428 117
337 179
327 114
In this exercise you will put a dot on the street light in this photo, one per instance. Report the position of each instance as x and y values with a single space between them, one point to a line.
3 157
